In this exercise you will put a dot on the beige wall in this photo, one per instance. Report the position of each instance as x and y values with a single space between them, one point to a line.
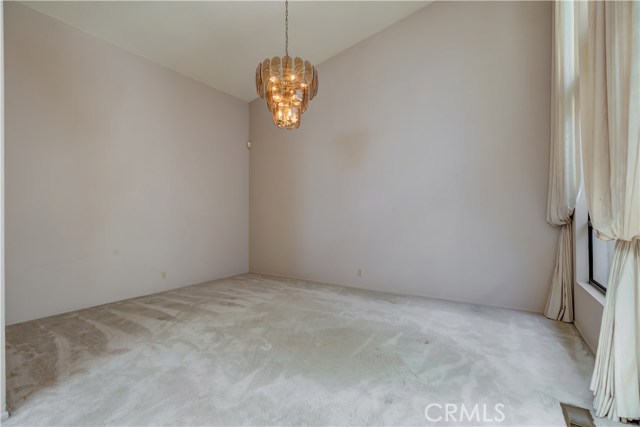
432 184
116 170
3 408
423 162
588 309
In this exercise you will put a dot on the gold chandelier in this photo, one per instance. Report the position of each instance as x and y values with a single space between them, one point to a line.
286 84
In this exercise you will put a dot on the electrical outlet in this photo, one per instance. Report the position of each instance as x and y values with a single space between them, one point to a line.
163 275
359 272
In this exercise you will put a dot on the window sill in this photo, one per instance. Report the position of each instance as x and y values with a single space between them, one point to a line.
593 291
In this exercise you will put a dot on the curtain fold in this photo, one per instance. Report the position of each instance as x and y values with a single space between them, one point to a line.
560 301
564 161
617 371
610 108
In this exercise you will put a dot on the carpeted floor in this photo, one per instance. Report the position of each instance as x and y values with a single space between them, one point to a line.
257 350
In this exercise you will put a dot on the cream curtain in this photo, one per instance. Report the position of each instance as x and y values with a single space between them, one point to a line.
565 162
610 117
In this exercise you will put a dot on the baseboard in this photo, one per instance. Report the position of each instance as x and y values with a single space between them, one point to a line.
5 416
389 292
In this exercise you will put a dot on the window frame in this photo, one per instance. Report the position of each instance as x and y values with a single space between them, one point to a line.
593 281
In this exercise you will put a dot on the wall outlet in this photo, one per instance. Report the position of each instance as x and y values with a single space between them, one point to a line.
359 272
163 275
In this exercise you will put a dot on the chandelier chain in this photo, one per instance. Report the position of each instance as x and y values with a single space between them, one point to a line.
286 25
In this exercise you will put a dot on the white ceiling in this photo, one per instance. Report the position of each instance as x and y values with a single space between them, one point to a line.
221 42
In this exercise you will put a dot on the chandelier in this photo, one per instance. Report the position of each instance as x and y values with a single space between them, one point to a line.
286 84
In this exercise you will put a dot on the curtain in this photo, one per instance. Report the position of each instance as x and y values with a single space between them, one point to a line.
565 162
610 110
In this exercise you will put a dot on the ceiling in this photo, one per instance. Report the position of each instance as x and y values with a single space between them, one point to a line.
221 42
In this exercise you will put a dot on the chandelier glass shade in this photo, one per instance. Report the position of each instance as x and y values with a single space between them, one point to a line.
287 85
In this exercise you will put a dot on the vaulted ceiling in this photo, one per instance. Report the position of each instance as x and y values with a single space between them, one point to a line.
221 42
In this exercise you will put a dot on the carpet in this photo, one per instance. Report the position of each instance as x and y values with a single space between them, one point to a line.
262 350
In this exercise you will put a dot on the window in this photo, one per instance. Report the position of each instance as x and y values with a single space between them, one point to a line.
600 258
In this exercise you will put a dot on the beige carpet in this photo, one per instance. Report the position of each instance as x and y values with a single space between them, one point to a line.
257 350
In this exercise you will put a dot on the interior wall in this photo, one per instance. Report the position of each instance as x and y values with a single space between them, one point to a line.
3 397
116 170
423 162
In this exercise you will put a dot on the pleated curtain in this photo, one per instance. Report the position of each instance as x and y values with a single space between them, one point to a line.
565 162
610 118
